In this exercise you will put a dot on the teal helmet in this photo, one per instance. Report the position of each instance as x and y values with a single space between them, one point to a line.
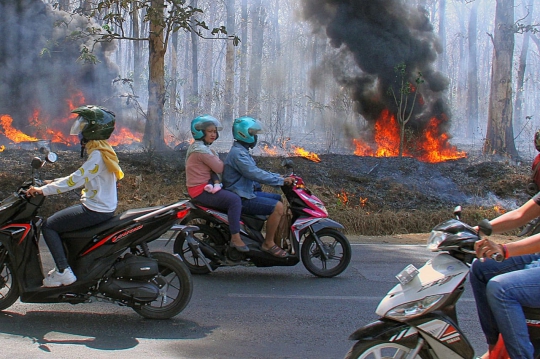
93 123
245 129
199 124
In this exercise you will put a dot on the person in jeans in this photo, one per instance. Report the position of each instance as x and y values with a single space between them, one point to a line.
98 176
501 289
242 176
202 163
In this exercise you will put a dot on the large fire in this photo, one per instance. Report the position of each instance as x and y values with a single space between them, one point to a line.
431 146
57 130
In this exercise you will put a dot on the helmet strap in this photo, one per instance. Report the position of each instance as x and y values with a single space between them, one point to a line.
84 141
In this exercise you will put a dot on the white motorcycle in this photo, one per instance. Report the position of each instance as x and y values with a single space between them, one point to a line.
418 316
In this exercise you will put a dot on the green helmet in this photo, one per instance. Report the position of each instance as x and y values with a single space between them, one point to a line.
537 140
199 124
245 129
93 122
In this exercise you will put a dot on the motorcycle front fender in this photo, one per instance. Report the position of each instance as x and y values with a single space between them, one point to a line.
316 225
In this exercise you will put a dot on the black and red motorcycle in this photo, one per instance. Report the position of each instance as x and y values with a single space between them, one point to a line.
112 260
309 236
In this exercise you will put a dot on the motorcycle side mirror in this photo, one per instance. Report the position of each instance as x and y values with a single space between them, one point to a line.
287 163
36 163
51 157
485 227
457 211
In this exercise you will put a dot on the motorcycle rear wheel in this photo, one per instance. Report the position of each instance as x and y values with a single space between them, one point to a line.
179 288
336 244
9 290
380 350
196 265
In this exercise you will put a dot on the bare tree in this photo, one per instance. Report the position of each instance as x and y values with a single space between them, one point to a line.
229 68
472 74
500 133
404 107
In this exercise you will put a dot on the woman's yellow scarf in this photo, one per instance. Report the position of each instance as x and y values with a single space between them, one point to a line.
108 154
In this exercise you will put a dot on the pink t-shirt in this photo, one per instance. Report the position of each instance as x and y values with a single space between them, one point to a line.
198 169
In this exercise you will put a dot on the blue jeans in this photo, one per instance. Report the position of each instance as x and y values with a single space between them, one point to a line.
264 204
500 291
69 219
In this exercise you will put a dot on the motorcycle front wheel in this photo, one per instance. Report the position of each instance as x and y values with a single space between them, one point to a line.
9 290
380 350
176 293
335 244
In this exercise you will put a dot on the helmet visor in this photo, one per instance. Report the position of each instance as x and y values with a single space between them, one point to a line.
78 125
207 123
255 128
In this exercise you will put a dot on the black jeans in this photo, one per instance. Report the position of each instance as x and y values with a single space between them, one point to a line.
68 219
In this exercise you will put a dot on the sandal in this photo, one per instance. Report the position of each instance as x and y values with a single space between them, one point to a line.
275 251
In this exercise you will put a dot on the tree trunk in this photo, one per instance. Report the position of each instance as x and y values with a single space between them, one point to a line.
518 107
228 99
194 96
153 132
242 98
472 74
500 134
137 51
255 74
442 34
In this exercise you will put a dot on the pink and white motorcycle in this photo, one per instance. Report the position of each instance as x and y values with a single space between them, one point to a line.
313 237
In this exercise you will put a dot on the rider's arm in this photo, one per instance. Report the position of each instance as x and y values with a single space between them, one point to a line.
518 217
508 221
90 169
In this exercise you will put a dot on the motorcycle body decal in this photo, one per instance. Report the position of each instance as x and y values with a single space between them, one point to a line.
115 237
26 227
439 282
404 334
441 330
221 216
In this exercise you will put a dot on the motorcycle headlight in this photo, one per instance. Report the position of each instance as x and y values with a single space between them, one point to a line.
436 238
412 309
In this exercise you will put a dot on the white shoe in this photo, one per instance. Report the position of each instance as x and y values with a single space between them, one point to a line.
56 279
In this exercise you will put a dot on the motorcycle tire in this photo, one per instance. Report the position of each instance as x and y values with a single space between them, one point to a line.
380 349
9 290
205 234
332 240
179 288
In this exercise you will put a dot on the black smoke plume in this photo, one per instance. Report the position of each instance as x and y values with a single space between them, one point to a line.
379 35
38 63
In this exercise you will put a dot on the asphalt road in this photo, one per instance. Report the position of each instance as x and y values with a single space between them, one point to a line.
237 312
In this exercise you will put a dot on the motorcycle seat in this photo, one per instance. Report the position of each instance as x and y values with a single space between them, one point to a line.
532 313
111 223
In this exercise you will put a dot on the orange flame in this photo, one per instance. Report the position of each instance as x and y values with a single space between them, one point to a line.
2 148
343 197
432 145
309 155
123 136
12 133
499 209
269 151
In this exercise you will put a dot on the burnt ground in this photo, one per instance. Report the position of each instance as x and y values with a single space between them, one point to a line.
341 181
